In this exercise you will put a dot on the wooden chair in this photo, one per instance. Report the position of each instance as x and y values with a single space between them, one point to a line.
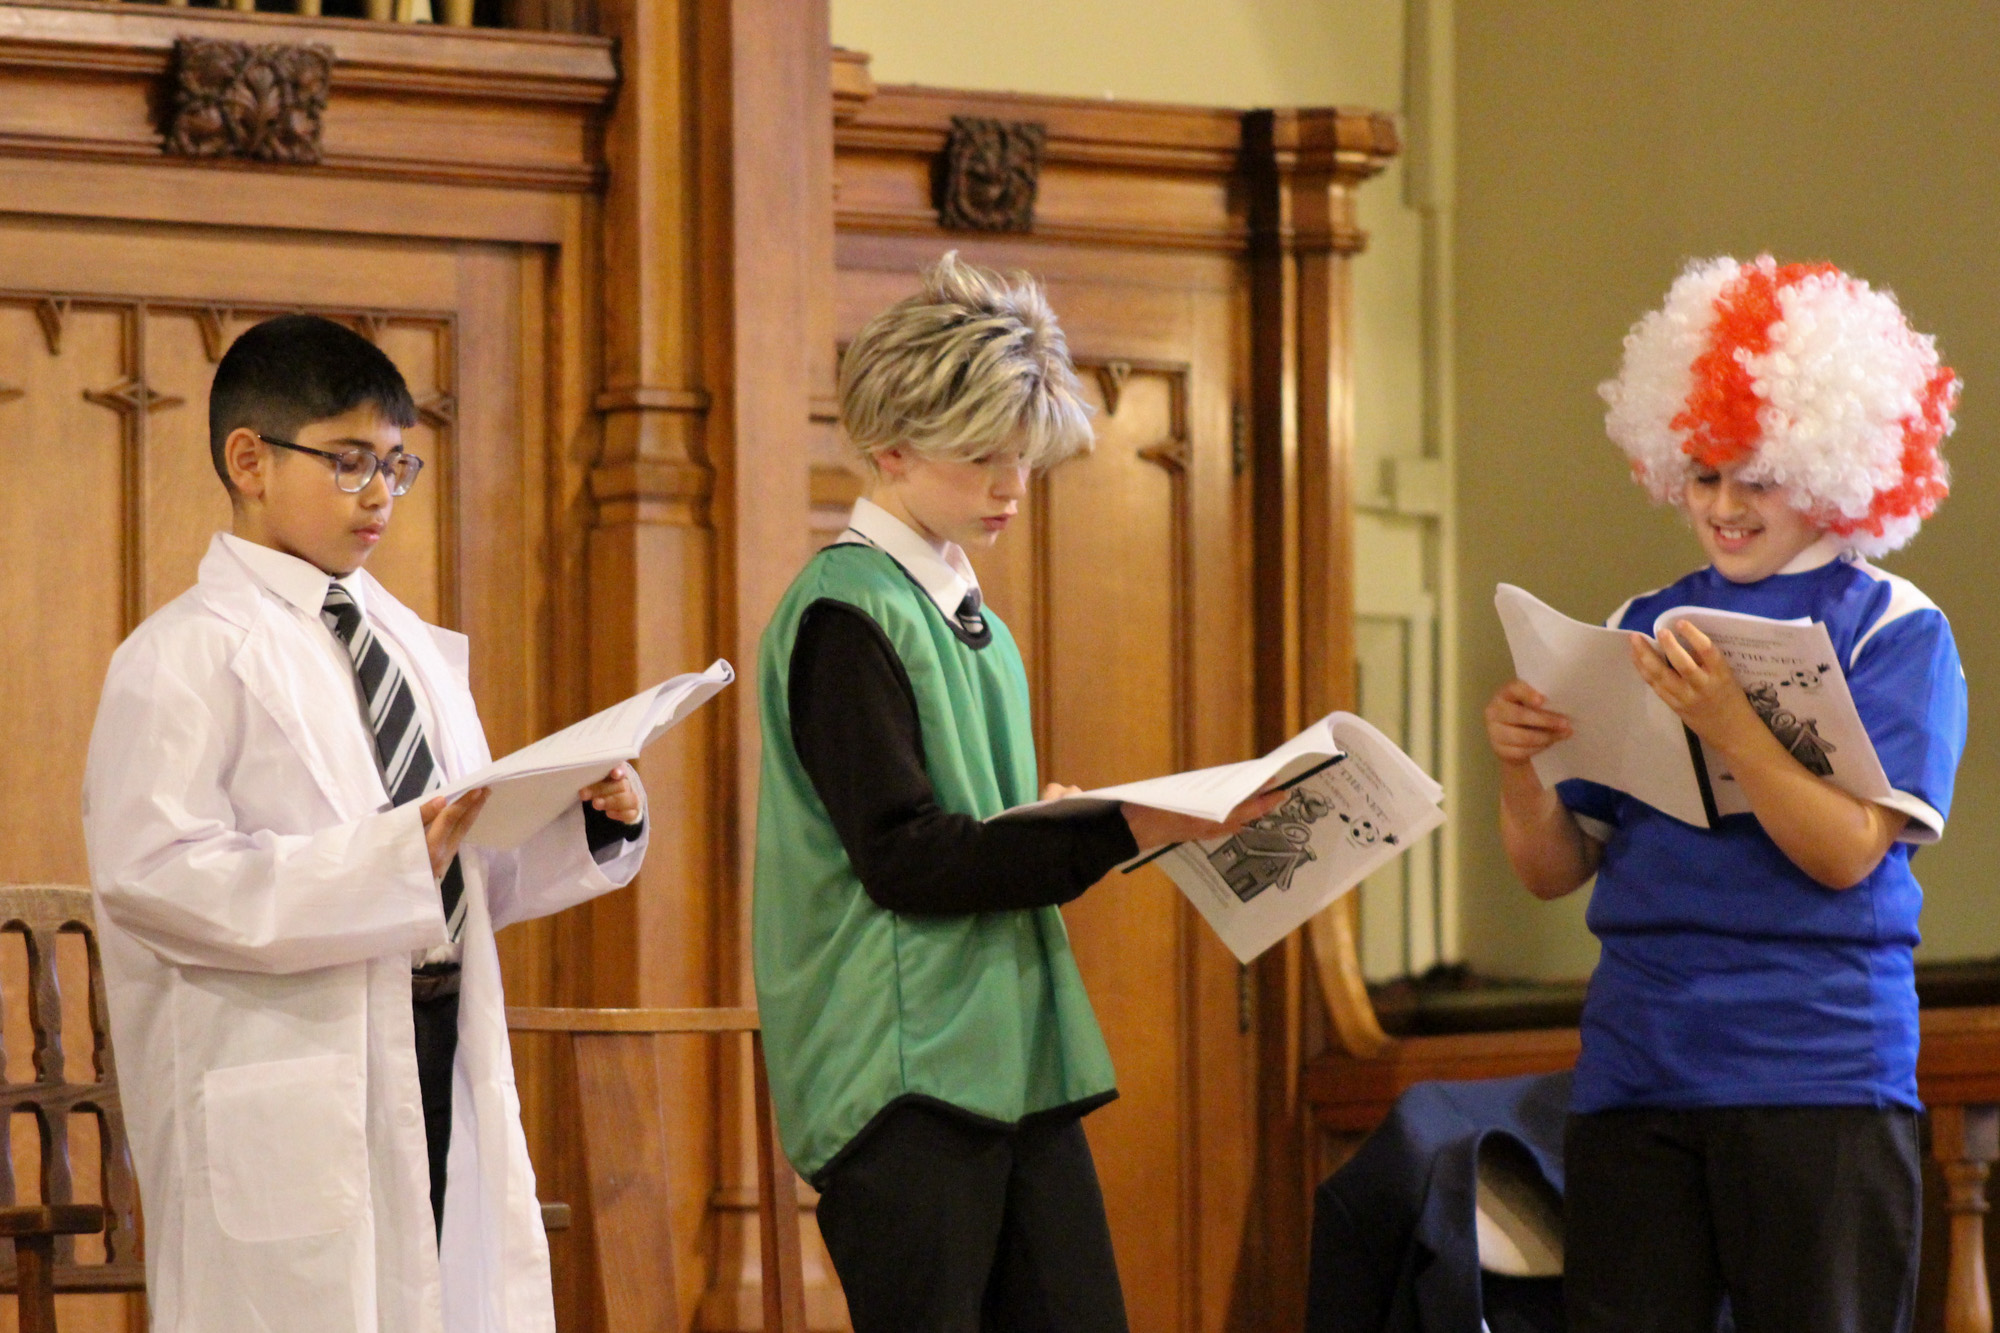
44 1232
625 1170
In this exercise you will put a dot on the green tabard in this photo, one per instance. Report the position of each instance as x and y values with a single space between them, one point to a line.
863 1006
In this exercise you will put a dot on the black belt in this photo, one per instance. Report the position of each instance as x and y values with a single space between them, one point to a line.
433 981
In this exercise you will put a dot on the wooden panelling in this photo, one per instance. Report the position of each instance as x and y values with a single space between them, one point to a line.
290 199
121 380
108 338
468 106
1112 173
127 274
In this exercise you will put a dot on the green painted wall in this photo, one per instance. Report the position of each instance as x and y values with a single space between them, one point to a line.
1599 145
1238 53
1208 52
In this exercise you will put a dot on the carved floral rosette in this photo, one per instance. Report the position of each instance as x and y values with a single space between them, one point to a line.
235 99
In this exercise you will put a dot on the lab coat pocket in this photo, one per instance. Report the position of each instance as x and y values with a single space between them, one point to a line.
287 1147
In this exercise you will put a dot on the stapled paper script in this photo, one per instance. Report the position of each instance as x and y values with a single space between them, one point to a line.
538 782
1627 738
1354 803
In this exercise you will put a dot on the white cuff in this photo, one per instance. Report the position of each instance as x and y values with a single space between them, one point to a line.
1594 829
1926 825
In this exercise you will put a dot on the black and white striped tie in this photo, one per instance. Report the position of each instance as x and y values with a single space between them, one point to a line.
968 612
408 771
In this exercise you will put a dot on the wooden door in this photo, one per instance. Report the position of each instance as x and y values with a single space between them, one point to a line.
109 335
1127 584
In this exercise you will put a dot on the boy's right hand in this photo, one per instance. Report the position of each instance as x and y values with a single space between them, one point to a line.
445 826
1520 724
1153 827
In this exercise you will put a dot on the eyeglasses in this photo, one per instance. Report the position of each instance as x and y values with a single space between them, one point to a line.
354 468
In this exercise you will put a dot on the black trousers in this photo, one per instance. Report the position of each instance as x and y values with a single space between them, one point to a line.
1806 1217
937 1224
437 1046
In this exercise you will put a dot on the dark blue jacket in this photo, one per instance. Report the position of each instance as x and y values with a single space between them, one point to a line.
1394 1248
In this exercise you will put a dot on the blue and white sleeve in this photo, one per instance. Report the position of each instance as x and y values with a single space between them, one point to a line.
1909 688
1592 805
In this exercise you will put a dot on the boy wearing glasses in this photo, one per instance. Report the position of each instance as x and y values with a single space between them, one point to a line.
298 953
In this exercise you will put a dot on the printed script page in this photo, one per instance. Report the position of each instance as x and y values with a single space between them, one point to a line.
1334 829
537 782
1205 793
1624 737
1794 681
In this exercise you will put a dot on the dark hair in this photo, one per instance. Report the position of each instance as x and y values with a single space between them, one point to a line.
294 370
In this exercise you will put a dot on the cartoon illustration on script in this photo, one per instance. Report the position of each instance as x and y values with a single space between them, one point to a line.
1796 733
1269 852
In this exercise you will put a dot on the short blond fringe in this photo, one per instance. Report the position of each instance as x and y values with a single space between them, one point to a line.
973 364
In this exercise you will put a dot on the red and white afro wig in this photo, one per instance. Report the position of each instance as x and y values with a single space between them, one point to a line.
1812 381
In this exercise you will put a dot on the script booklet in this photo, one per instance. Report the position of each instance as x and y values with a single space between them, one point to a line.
537 783
1627 738
1356 802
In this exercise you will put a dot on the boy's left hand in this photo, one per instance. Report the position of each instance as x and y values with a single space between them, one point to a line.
1693 678
617 796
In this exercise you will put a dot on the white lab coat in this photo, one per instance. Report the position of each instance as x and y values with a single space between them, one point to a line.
256 917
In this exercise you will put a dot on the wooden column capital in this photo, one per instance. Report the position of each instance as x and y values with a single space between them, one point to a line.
1306 163
648 492
652 398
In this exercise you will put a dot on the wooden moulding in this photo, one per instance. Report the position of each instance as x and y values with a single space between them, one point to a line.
466 106
1958 1061
1187 161
1353 1095
851 83
533 1019
1958 1064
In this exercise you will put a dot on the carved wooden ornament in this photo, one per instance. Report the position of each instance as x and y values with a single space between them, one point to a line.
990 172
233 99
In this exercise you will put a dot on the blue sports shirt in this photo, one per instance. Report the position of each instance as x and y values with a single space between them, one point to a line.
1728 976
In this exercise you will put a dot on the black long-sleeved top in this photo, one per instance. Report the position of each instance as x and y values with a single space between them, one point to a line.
856 729
601 830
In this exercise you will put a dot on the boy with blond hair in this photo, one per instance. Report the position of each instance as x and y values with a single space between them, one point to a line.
931 1048
1744 1121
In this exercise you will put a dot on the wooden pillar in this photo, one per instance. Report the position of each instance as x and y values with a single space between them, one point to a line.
1303 167
698 493
651 588
1966 1140
765 126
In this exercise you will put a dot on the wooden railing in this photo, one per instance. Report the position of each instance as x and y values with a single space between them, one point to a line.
574 16
1958 1077
457 13
620 1124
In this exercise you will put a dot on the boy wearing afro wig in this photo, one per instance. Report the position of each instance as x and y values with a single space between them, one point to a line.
1745 1112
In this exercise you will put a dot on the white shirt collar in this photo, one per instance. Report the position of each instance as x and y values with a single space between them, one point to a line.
297 581
942 571
1822 552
